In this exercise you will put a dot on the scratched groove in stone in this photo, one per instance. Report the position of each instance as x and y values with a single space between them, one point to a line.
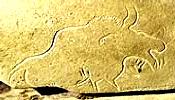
85 49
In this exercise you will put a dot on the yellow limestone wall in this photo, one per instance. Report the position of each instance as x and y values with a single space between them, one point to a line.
88 45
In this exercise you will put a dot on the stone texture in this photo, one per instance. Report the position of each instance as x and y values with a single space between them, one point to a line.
88 45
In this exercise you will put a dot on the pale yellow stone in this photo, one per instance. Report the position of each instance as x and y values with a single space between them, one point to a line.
88 45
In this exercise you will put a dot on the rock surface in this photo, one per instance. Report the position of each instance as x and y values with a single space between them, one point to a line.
88 46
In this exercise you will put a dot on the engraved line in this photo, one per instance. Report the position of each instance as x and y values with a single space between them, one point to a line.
114 84
124 66
82 82
57 33
155 58
26 79
162 62
142 64
96 82
102 38
163 42
122 70
126 17
136 19
86 78
94 85
41 55
137 61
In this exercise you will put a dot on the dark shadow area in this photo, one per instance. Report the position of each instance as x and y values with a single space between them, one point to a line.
4 87
56 90
50 90
129 93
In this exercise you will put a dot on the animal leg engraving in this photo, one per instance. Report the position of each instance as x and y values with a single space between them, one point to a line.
114 84
162 62
94 85
156 64
87 77
120 74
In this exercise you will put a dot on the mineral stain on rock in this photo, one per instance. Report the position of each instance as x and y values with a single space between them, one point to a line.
4 88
